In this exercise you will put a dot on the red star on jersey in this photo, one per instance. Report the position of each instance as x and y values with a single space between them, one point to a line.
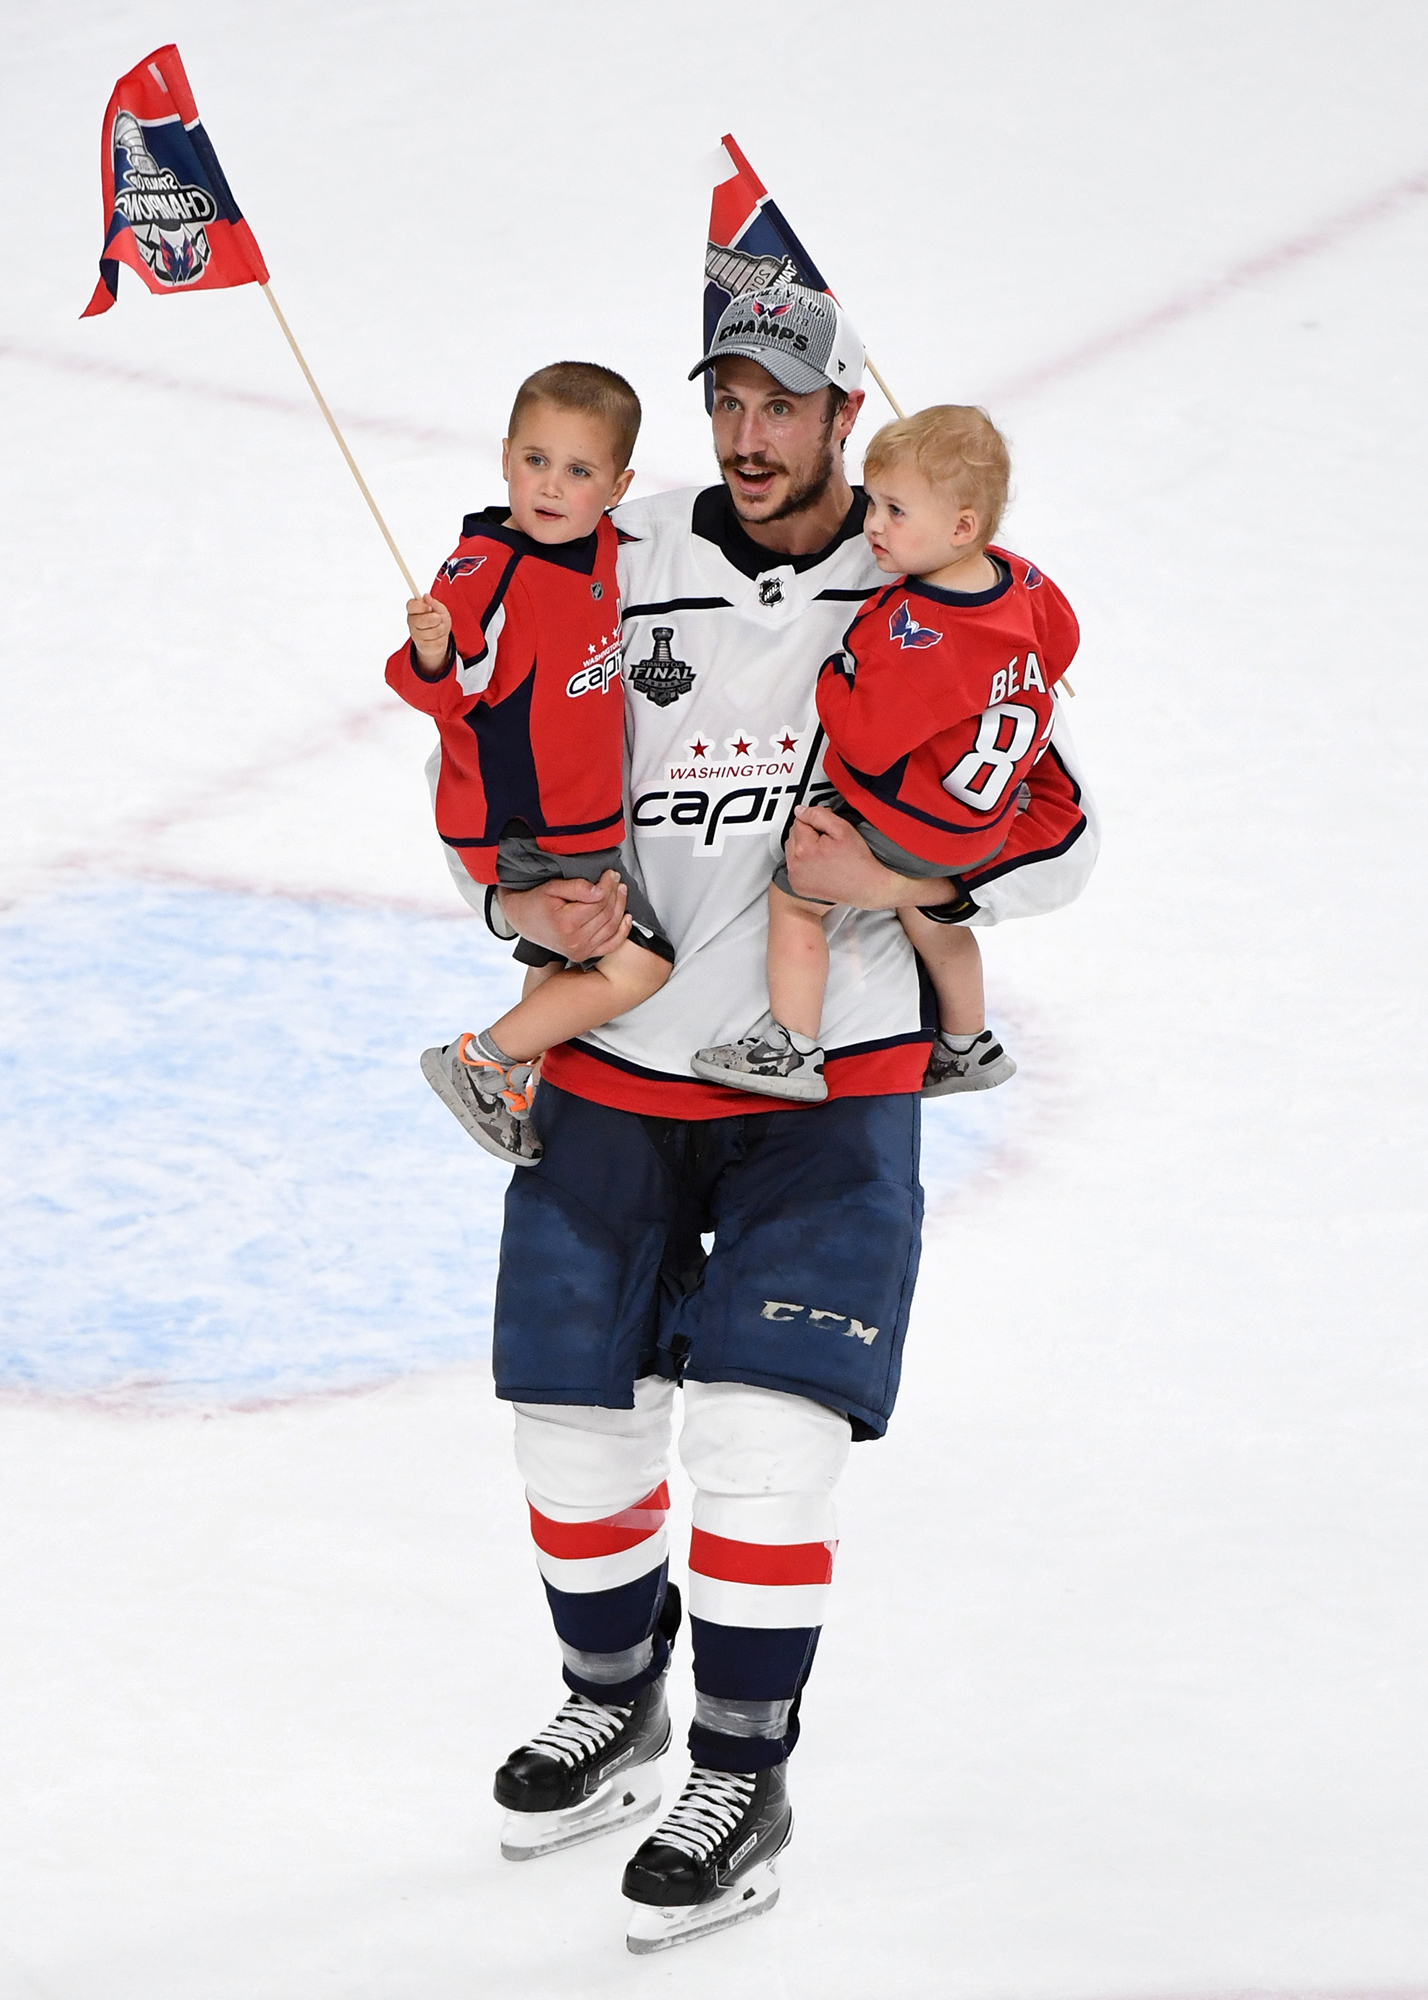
787 742
698 749
741 748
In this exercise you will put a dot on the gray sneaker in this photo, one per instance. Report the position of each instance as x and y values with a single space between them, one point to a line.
492 1101
981 1067
767 1062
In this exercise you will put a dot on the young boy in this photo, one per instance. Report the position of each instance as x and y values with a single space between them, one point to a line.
515 651
936 712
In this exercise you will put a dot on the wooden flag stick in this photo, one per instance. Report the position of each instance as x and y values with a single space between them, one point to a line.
887 392
341 441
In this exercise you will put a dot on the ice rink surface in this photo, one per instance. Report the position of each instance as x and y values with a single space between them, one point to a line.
1123 1696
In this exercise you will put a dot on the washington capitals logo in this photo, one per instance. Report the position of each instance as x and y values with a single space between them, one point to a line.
178 261
1033 576
903 627
761 311
456 566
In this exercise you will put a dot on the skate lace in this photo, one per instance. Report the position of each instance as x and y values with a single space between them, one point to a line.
579 1728
710 1806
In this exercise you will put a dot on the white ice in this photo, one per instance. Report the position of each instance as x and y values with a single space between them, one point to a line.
1123 1694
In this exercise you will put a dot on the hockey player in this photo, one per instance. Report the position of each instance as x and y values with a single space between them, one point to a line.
515 651
762 1255
937 709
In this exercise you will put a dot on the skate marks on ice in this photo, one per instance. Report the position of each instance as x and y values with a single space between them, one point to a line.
222 1175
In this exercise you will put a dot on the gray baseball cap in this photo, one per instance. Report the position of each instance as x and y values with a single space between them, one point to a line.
804 338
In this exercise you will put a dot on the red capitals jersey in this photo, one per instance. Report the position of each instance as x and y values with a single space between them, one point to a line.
529 706
940 704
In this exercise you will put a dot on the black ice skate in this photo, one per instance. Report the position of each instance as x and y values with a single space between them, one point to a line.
769 1062
593 1768
712 1861
981 1067
491 1099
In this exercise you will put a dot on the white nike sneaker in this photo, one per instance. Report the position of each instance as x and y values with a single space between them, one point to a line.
768 1062
980 1064
492 1098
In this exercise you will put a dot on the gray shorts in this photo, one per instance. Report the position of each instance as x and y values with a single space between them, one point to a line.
887 851
521 863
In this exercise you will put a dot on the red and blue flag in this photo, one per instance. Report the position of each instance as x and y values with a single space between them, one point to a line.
750 246
169 213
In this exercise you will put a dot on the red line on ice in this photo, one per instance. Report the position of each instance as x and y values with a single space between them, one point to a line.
220 392
262 399
1202 298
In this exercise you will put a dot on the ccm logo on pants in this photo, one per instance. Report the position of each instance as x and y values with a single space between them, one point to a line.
784 1309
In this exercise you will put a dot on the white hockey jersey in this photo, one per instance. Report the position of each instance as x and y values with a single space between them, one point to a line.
723 642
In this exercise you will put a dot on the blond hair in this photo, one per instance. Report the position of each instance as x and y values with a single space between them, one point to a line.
954 445
590 390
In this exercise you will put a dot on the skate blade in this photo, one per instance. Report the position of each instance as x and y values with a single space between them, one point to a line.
811 1090
527 1836
434 1070
652 1928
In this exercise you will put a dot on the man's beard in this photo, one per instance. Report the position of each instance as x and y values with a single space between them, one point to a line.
800 497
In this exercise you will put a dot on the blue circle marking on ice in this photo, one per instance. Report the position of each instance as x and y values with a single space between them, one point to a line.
222 1175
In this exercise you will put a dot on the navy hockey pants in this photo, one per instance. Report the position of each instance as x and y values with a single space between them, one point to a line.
787 1338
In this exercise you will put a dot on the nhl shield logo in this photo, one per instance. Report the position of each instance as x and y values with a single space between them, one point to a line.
661 678
166 216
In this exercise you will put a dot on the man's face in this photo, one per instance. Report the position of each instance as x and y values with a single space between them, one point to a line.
777 451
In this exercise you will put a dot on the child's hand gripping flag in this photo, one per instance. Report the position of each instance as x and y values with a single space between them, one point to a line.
168 211
751 246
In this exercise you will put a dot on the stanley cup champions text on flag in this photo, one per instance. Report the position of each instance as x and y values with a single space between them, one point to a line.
750 246
168 211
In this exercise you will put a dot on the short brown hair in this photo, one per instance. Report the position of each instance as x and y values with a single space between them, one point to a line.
593 391
952 444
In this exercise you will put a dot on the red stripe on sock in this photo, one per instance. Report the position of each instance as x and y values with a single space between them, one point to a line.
760 1562
574 1540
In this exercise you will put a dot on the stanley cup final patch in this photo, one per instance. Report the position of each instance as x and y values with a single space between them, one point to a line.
661 678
